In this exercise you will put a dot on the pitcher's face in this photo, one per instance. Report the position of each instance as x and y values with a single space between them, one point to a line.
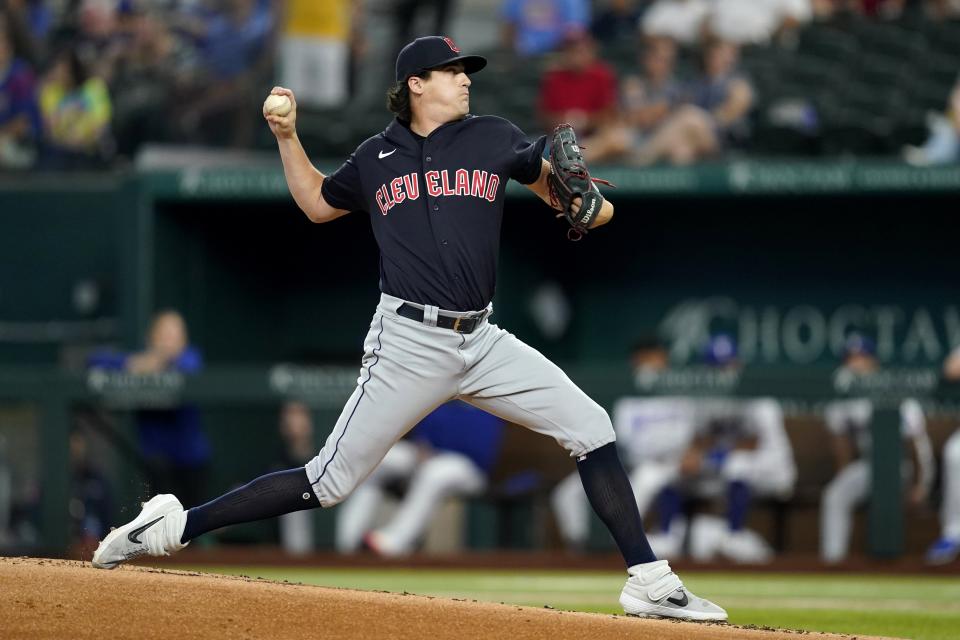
448 88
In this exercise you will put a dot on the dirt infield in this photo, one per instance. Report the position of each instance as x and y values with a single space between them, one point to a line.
66 599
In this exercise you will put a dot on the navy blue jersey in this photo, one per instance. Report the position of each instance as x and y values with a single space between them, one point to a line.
436 203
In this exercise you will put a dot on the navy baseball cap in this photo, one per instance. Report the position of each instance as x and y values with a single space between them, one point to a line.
433 51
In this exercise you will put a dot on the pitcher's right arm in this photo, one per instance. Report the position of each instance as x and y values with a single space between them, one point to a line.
303 179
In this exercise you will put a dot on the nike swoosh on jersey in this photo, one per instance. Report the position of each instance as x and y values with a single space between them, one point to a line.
383 155
134 536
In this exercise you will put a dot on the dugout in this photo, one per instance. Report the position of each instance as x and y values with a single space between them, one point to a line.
788 256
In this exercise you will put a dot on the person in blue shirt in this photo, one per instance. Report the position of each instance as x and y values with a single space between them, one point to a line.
172 440
19 112
449 453
233 40
535 27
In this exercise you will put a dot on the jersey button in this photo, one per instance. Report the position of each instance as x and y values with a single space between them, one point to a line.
443 242
429 159
436 207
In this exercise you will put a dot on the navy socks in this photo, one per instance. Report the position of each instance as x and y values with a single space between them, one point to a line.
604 480
266 497
611 496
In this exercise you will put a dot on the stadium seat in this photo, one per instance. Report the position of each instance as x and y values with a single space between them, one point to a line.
941 69
828 43
910 128
926 95
944 37
881 71
812 71
887 38
856 132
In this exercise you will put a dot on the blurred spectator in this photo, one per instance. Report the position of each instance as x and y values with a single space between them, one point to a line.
235 45
849 424
39 17
534 27
148 67
652 435
581 90
825 9
76 111
318 38
715 118
618 20
30 23
90 495
951 367
943 143
943 9
296 433
648 358
947 547
93 30
887 9
20 124
405 16
758 21
677 448
171 440
740 450
647 101
450 453
679 20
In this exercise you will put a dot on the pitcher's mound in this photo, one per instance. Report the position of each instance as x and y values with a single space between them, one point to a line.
65 599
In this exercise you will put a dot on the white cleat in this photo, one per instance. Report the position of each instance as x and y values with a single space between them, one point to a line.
653 590
156 532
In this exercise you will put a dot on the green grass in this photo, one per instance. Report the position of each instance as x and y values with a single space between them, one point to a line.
925 608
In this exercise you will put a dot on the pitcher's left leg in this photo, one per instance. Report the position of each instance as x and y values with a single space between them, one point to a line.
517 383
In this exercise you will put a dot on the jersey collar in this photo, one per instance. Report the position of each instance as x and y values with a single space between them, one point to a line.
399 132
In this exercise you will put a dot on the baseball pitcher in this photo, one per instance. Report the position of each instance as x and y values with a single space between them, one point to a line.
433 183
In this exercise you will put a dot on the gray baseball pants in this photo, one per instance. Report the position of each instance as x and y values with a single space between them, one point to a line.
409 368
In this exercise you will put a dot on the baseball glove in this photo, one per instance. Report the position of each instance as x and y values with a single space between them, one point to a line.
569 180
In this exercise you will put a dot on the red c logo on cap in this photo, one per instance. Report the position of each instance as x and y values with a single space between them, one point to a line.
452 45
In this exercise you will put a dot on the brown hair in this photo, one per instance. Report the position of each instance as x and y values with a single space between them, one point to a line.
398 97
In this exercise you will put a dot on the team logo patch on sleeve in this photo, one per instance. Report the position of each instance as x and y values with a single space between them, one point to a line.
453 46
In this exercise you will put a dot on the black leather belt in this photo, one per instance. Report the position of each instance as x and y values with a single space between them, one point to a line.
461 325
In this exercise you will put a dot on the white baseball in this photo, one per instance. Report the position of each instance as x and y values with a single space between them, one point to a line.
278 105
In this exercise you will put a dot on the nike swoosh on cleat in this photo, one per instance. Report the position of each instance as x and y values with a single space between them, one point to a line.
134 536
383 155
680 602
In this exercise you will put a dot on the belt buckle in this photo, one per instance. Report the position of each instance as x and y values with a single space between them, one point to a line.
456 324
